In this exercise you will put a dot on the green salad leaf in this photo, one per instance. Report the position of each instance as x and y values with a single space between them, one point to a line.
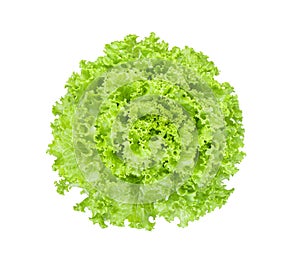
146 131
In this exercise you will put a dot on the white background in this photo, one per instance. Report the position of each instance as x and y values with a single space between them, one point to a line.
256 46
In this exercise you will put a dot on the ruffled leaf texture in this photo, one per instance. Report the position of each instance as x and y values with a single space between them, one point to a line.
190 201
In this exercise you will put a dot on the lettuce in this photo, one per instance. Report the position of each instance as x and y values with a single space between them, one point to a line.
146 131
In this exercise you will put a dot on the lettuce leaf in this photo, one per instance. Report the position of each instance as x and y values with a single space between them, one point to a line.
147 131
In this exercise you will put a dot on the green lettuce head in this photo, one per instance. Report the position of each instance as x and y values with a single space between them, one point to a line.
146 131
